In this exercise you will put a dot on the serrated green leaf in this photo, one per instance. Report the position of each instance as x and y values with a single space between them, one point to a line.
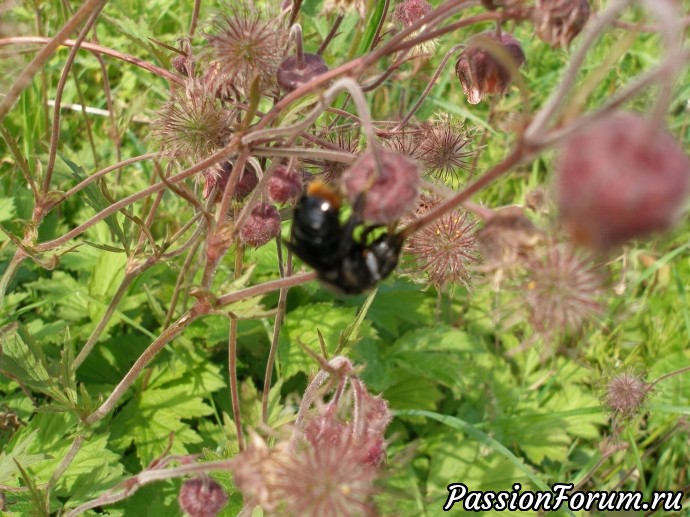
302 324
7 209
19 451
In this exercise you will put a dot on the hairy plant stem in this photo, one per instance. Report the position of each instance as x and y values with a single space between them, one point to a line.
195 18
428 88
92 47
518 154
201 308
232 359
44 54
285 271
55 131
331 34
64 464
180 280
130 485
105 319
8 274
115 207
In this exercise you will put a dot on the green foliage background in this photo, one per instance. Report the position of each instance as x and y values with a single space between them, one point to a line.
468 409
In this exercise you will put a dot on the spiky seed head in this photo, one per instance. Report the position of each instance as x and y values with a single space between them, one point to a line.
389 193
507 238
345 139
562 290
445 250
481 71
407 141
262 225
445 149
620 178
246 43
202 497
558 22
625 393
192 124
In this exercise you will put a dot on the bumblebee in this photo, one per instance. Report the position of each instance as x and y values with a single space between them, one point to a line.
344 262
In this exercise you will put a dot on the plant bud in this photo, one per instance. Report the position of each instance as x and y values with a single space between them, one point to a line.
261 226
202 497
284 185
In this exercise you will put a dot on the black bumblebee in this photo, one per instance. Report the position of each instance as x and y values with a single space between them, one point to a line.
346 263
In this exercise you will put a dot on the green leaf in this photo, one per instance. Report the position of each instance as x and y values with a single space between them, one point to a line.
302 324
7 209
487 442
19 451
434 354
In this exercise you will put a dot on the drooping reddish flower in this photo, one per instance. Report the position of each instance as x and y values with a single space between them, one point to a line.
483 67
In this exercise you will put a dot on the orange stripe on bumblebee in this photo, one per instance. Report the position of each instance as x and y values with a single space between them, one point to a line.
320 189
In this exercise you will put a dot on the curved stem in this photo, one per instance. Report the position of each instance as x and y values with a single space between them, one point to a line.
195 18
92 47
55 131
8 275
515 157
232 360
44 54
331 35
428 88
282 299
115 207
266 287
112 306
143 360
296 35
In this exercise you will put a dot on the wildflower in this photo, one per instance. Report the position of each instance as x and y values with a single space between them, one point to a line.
625 393
444 149
285 184
390 192
619 179
562 290
329 466
192 124
483 67
262 225
557 22
202 497
246 45
446 249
